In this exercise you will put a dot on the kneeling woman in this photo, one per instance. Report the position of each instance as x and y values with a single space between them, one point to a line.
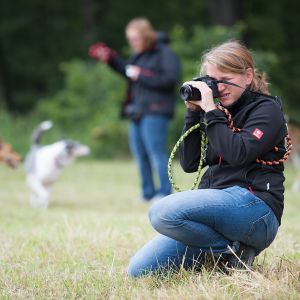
239 202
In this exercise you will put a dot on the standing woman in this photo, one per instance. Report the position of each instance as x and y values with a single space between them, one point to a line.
239 202
152 72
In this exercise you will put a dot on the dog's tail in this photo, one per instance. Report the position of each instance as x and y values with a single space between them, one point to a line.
37 133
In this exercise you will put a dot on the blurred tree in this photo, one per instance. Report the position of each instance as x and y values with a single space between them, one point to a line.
269 26
36 36
3 85
273 25
225 12
89 20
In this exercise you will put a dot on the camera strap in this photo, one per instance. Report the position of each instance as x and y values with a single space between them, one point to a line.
229 83
253 92
288 141
204 142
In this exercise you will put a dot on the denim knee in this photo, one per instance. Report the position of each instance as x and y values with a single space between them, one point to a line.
134 269
143 263
155 214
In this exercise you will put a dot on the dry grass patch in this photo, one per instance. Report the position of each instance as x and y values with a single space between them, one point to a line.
80 247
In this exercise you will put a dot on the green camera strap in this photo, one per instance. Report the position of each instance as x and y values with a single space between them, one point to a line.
204 141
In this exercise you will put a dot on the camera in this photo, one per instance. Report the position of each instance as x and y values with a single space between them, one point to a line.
129 70
188 92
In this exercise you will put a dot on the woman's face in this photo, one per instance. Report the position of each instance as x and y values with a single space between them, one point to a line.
135 40
228 93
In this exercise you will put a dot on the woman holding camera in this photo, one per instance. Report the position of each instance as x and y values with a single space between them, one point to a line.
152 72
239 203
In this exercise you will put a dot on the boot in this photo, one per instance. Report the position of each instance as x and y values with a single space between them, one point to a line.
244 257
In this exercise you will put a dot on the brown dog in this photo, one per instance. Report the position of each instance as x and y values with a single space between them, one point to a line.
8 155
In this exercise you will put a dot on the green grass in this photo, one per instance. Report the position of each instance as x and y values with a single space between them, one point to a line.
80 247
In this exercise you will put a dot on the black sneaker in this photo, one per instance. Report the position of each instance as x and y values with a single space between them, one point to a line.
242 259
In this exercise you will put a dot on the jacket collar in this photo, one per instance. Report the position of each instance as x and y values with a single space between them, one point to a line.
244 100
136 56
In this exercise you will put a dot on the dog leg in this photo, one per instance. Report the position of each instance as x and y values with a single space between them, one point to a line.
40 195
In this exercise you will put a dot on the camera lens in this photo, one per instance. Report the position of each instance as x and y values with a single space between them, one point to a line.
187 93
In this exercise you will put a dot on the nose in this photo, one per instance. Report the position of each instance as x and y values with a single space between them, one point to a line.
221 87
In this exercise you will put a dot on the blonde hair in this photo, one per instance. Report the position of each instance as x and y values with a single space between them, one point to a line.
145 29
234 57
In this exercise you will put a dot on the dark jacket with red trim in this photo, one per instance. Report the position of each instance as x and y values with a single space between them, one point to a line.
231 156
154 92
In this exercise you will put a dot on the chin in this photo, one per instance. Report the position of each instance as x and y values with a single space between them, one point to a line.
226 101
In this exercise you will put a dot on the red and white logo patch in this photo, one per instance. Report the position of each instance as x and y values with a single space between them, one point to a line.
258 133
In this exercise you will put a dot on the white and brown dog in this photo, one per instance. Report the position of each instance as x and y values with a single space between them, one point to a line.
44 164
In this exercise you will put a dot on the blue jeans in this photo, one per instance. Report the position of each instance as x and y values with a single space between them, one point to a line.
147 140
192 223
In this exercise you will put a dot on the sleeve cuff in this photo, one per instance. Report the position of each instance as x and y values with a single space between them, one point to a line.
194 113
215 116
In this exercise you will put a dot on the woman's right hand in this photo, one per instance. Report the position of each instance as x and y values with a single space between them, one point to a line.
101 52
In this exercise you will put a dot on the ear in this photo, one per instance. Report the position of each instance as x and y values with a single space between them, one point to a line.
70 145
249 75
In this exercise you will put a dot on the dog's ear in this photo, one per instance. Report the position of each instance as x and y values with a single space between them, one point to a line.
70 145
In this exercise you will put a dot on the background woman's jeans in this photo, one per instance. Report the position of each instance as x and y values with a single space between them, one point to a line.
205 220
147 140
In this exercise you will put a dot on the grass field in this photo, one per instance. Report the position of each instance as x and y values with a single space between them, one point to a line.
80 247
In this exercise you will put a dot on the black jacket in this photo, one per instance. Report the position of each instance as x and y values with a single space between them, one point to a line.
154 92
231 156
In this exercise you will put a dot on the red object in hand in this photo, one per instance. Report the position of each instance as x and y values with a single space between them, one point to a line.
102 52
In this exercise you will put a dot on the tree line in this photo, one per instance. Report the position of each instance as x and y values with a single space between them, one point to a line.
36 37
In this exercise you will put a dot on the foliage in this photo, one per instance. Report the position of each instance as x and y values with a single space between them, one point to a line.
34 37
88 104
273 27
60 31
88 107
15 130
190 44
